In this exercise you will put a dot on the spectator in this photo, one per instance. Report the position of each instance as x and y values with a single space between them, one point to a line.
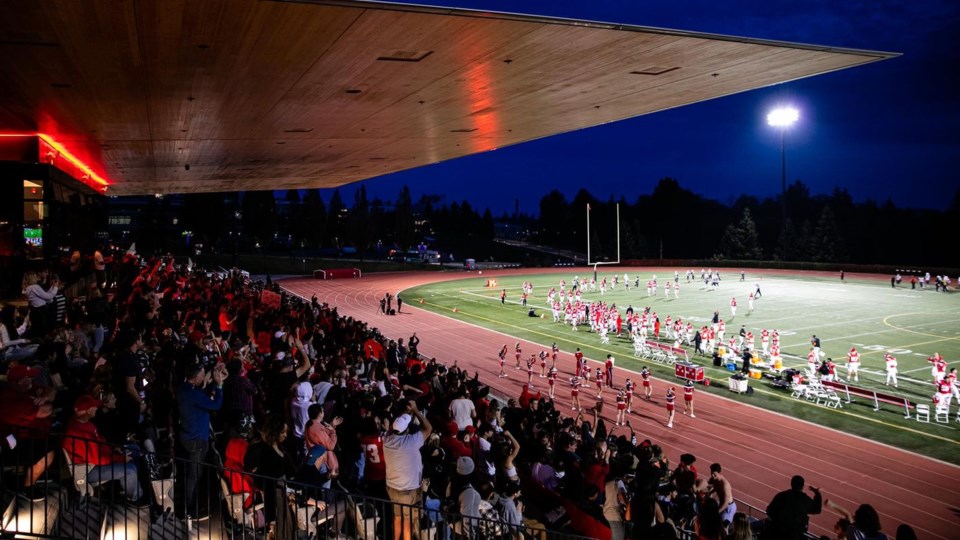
128 380
708 524
86 446
195 405
789 510
740 528
719 487
614 503
27 409
401 450
38 298
320 433
462 410
270 463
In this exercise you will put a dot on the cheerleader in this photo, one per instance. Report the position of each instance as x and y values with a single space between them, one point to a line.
645 379
688 399
543 364
575 392
518 352
599 382
621 407
552 380
628 389
671 398
503 358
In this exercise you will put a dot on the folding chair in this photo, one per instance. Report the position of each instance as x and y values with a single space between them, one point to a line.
79 474
942 414
241 517
923 413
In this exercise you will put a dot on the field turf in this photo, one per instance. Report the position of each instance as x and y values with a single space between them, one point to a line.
866 313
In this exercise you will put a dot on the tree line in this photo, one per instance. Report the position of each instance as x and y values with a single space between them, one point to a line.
669 222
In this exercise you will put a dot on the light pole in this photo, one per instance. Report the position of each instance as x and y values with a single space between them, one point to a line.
783 117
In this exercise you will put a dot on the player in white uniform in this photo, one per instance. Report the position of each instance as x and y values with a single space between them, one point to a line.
750 303
853 364
891 369
733 307
676 290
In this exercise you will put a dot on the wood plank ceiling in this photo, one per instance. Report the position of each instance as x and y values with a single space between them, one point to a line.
268 94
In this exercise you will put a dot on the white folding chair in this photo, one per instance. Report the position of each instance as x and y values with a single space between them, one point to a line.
923 413
79 474
942 414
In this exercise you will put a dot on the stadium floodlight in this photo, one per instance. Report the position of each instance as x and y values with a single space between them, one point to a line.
783 117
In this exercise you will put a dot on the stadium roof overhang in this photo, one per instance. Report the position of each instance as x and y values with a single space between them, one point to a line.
277 94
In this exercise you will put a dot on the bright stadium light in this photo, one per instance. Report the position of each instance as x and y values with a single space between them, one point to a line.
783 117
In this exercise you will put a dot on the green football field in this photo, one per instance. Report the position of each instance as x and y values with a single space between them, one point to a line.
867 314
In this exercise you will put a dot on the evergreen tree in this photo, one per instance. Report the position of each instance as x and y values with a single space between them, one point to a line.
828 246
740 240
314 218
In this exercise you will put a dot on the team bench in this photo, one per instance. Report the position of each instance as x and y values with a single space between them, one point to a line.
877 397
662 352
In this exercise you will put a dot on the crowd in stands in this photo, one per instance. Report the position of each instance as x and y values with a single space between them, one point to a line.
175 361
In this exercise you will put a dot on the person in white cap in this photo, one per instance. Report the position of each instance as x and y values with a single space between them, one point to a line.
401 454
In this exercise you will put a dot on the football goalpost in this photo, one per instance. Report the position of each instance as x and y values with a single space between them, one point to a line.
593 263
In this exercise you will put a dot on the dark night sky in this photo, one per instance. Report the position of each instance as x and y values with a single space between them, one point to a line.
888 129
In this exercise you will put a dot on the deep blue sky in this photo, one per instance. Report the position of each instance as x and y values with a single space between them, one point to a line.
888 129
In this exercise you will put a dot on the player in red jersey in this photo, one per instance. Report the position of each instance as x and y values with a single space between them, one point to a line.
503 358
645 379
575 392
688 398
671 398
621 407
939 369
552 379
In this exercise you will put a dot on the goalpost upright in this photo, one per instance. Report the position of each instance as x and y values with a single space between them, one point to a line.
596 263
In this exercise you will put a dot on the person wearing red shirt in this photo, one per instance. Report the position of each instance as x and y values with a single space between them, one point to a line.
85 446
374 467
609 368
26 411
455 446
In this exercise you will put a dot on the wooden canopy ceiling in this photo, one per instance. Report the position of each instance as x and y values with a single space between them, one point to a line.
275 94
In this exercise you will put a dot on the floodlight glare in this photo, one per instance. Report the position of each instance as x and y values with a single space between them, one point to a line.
783 117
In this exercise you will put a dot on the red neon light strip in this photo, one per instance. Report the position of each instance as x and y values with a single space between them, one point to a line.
64 153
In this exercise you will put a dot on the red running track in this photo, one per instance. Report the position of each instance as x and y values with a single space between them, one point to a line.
759 450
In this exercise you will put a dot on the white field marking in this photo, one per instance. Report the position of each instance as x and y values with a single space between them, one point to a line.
889 329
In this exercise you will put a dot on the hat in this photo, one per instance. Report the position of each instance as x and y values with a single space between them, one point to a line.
471 429
279 334
20 371
464 466
315 453
402 423
86 402
196 335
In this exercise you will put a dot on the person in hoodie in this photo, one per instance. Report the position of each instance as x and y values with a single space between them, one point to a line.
299 416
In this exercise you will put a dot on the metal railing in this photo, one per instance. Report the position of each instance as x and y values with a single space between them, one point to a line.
44 494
